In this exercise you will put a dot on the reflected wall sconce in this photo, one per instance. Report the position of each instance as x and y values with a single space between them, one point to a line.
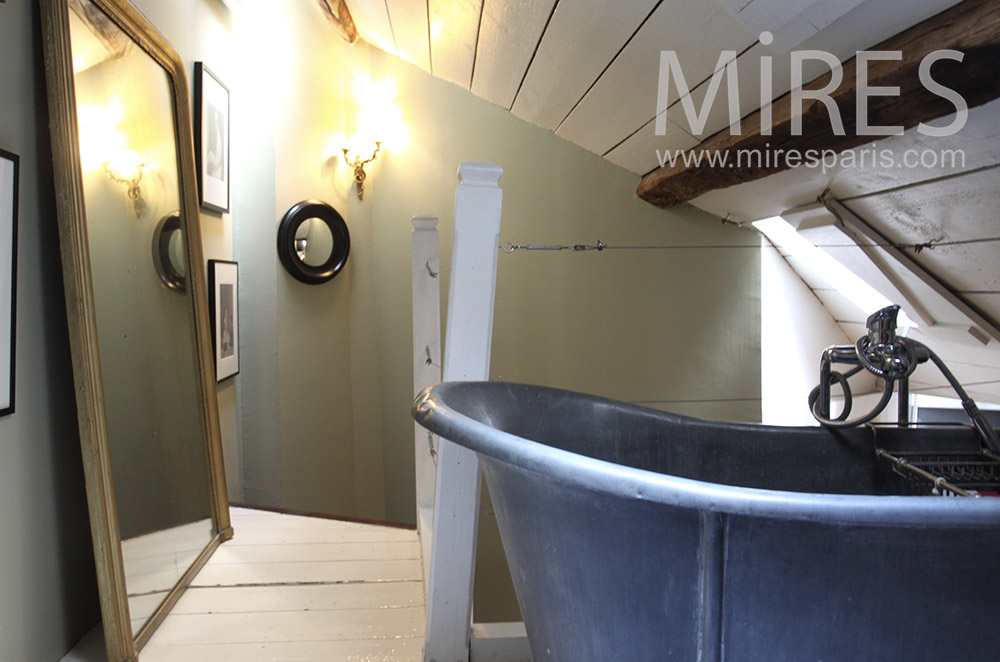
359 166
130 176
104 143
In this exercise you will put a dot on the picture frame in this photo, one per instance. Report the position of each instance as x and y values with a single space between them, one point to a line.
211 138
9 173
223 306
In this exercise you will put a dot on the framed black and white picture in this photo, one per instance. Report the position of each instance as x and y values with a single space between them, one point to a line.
223 306
8 277
211 138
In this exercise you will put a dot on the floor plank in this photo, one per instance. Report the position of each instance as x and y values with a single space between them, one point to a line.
271 627
314 572
386 650
321 597
300 552
334 534
291 587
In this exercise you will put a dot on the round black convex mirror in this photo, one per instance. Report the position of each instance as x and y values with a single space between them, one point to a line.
313 242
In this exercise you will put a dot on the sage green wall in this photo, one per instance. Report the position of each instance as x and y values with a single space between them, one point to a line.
310 404
330 366
677 329
48 590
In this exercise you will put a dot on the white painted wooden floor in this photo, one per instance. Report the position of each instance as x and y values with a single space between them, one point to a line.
288 587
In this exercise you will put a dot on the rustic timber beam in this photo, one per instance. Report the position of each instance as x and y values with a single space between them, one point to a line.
971 27
339 15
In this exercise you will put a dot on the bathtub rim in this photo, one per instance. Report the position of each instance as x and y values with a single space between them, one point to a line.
432 410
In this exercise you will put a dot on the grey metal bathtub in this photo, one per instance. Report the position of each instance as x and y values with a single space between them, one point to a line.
638 535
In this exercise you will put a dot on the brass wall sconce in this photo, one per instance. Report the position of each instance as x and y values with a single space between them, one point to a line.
379 123
359 166
131 180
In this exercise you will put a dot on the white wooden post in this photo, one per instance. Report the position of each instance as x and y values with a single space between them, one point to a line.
467 357
426 368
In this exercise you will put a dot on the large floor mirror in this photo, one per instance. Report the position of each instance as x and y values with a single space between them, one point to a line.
124 163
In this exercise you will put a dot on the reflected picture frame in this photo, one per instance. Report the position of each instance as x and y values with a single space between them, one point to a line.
9 171
223 306
211 138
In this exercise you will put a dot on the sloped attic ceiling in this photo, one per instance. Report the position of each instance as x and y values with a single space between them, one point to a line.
588 71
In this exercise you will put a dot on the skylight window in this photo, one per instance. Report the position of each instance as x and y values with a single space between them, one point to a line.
780 233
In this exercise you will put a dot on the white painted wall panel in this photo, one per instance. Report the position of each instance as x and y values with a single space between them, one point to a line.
977 145
840 307
822 14
638 152
372 20
582 39
795 329
957 209
770 14
873 22
625 97
643 151
410 29
749 66
454 31
508 35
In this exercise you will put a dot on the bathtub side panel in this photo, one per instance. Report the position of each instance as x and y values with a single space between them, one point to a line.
599 578
816 591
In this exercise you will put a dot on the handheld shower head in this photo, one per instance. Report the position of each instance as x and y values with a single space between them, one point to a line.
882 326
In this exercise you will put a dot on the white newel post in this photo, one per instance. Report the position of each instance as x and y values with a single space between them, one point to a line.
467 357
426 367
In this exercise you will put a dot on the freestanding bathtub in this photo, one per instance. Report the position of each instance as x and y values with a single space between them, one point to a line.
635 535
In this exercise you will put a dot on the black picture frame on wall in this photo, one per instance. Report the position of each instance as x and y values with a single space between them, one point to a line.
9 172
211 138
223 307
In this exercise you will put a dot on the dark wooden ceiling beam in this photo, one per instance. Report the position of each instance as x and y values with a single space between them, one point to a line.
972 27
339 15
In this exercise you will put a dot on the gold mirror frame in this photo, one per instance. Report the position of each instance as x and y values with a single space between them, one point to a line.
82 318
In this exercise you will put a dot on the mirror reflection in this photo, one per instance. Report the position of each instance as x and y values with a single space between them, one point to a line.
148 356
313 242
168 252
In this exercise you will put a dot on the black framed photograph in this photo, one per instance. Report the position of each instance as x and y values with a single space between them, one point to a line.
223 306
9 164
211 138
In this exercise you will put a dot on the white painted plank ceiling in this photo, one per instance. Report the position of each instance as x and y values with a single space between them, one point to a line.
588 70
453 33
408 19
581 40
623 100
372 21
509 34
